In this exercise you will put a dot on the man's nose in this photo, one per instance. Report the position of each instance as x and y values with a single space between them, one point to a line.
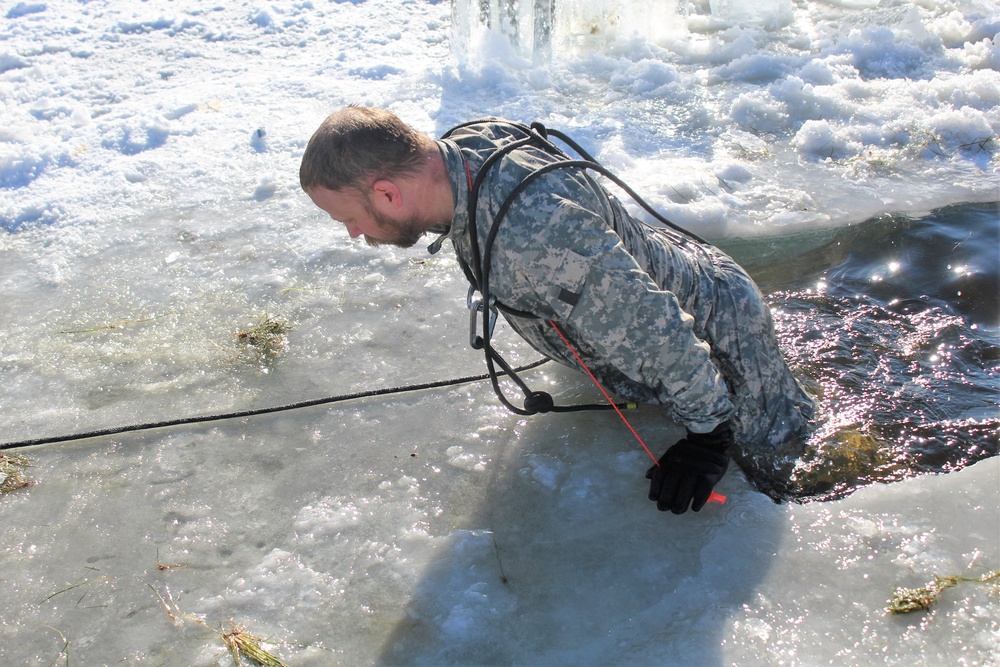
354 231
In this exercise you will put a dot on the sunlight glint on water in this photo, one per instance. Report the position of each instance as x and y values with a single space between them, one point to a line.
905 362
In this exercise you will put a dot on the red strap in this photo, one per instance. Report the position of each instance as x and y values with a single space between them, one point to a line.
606 396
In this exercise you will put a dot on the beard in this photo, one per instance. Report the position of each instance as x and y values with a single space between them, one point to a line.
403 233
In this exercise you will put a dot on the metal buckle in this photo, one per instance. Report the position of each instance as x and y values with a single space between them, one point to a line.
475 307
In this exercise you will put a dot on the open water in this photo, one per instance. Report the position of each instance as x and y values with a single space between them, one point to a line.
892 324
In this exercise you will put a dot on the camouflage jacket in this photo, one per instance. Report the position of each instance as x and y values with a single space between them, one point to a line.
633 299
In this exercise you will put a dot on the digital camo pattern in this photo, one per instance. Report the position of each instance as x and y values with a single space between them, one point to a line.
658 317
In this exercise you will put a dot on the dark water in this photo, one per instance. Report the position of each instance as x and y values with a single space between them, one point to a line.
894 325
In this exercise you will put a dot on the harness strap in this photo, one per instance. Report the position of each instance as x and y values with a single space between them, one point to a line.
479 271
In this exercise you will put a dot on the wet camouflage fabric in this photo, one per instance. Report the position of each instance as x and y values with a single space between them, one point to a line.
657 317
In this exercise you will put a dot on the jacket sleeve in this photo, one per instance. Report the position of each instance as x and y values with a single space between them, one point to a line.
560 259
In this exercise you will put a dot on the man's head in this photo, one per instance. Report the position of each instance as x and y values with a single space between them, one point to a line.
364 167
356 146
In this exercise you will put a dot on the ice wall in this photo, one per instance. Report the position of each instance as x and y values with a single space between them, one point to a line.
527 24
539 28
536 28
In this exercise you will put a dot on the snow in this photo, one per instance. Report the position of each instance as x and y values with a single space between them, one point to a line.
149 210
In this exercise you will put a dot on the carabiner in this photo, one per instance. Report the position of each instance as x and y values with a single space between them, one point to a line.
475 307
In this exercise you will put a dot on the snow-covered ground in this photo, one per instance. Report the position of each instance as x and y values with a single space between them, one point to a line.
149 211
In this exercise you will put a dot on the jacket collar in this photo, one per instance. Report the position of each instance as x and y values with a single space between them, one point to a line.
459 176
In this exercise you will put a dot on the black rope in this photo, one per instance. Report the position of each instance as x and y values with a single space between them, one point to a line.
259 411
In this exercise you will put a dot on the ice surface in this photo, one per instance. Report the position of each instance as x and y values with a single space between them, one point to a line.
149 211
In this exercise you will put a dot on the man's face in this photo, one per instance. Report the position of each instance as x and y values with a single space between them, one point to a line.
361 217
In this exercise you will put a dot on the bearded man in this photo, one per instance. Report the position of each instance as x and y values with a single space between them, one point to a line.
656 315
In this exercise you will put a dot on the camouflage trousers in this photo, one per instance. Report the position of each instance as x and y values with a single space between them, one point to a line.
772 410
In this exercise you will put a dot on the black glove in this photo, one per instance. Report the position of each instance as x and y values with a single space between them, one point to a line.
689 470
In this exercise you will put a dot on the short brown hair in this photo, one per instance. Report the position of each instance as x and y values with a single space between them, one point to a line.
359 144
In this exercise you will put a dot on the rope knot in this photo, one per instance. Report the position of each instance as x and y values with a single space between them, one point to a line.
538 401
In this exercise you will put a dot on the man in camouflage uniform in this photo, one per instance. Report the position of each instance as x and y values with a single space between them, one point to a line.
656 316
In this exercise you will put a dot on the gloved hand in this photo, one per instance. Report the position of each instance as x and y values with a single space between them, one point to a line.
689 470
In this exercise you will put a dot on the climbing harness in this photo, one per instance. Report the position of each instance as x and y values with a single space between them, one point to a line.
484 309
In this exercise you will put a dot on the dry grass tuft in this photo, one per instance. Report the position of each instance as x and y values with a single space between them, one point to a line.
267 337
12 473
907 600
241 644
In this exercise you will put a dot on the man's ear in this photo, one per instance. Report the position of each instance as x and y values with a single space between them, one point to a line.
386 195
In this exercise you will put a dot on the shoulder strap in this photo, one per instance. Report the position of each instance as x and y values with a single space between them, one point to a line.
478 273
